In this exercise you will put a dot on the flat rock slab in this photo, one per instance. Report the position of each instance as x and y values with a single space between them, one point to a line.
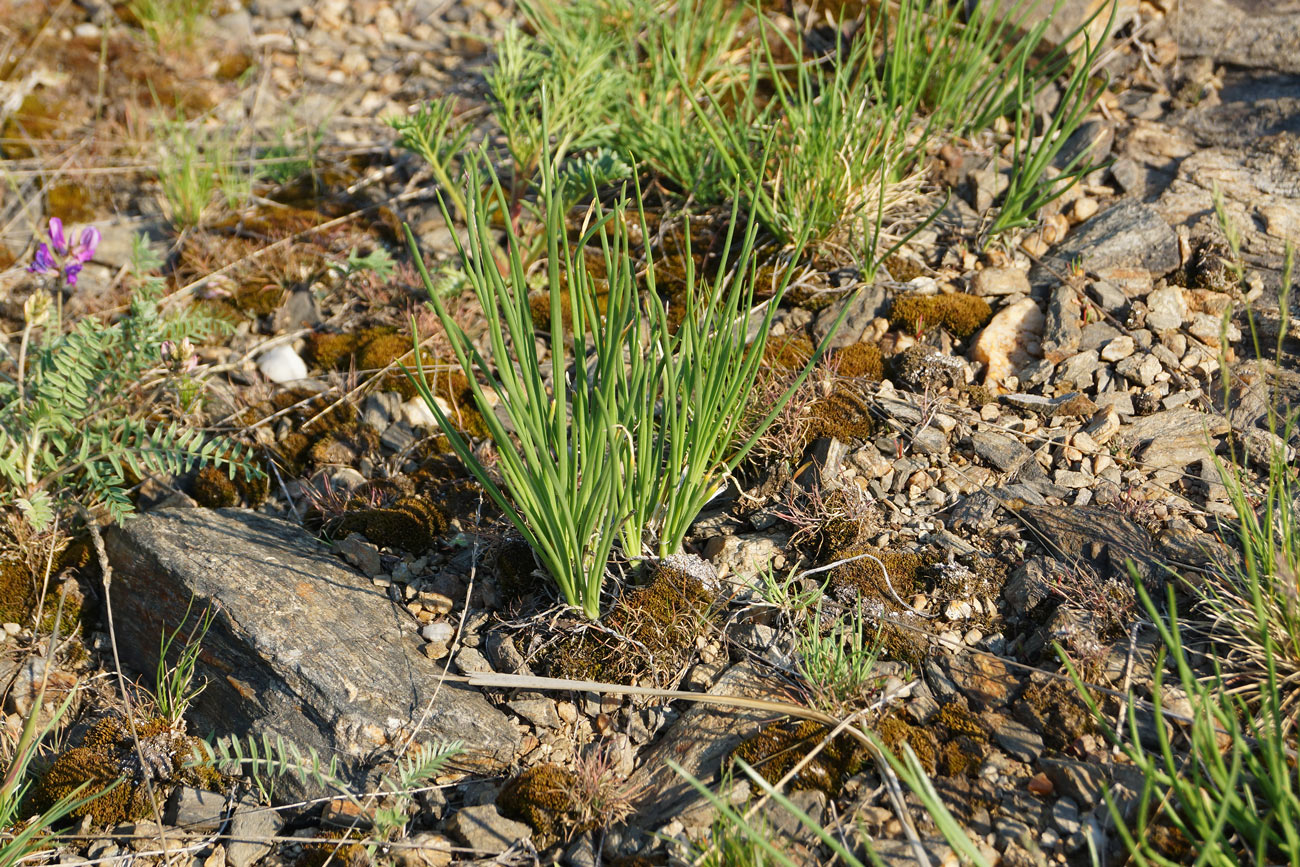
698 742
1258 33
302 645
1125 238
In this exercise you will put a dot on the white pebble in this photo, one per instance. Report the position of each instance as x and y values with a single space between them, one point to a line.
282 364
439 631
417 413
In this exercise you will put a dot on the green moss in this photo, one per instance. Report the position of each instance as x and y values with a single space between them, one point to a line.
20 591
543 798
17 589
961 313
778 747
903 644
895 732
861 360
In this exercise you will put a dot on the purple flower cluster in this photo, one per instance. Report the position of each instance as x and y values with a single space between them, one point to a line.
59 257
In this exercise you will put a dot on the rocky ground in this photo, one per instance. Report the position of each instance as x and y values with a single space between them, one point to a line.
1000 475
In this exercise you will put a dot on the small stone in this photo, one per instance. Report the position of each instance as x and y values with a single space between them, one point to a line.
1118 349
538 711
252 824
438 632
424 849
1019 740
1084 207
281 364
1010 340
360 553
417 413
195 809
1141 369
485 830
1040 785
1166 309
1000 281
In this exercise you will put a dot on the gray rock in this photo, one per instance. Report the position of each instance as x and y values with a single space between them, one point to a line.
1030 585
1018 739
302 645
1141 369
697 742
1179 422
1255 33
867 303
538 711
1062 334
1089 144
194 809
250 829
486 831
1108 296
1125 237
1004 452
298 310
398 436
1166 309
1079 370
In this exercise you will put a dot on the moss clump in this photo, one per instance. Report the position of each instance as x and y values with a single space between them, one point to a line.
649 631
20 591
903 270
515 569
410 524
213 488
843 414
922 366
342 854
864 579
980 395
788 352
107 752
966 744
894 732
778 747
1054 707
543 797
961 313
861 360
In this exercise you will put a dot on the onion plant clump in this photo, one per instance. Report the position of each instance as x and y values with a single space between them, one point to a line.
611 428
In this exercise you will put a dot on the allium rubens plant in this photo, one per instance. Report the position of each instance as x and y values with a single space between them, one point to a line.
638 429
72 411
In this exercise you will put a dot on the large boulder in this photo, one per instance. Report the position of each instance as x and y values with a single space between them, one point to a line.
301 646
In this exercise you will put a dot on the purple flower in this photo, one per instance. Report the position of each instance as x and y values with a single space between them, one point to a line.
57 236
87 244
43 262
57 257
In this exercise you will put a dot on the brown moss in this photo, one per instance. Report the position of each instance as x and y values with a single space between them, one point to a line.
862 360
649 631
778 747
213 488
1055 708
342 854
69 201
516 566
895 732
961 313
903 644
843 414
980 395
329 351
410 525
788 352
864 579
258 297
20 591
107 752
543 798
903 270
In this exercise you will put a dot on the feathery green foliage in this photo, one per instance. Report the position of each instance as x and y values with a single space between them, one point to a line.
73 412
